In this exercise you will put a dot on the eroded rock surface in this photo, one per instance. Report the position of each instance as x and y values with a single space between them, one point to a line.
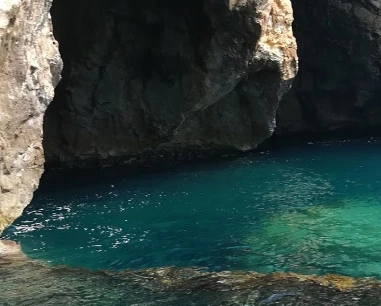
168 76
29 68
139 77
31 283
339 81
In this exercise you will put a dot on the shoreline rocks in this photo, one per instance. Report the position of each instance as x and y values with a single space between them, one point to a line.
37 284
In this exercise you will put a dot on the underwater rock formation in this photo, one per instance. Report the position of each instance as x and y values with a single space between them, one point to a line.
30 67
151 78
338 85
42 285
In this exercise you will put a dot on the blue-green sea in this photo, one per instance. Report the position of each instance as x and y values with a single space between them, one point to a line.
309 209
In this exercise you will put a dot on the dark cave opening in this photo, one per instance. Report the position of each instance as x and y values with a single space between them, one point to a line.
336 92
142 79
116 55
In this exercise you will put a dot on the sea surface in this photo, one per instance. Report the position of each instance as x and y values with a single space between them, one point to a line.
312 209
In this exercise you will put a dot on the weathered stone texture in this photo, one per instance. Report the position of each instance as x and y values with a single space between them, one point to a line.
139 77
169 76
338 85
29 68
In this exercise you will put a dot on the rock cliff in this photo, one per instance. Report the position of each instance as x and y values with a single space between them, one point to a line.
338 85
147 79
30 66
169 76
144 79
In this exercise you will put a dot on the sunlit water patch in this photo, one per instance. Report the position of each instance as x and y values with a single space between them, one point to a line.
312 210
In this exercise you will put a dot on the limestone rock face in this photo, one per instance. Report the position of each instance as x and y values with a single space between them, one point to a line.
140 76
339 81
167 76
29 68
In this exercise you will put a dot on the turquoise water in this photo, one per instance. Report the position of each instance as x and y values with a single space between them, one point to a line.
311 209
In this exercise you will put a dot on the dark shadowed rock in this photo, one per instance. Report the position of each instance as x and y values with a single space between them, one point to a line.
168 76
339 81
139 77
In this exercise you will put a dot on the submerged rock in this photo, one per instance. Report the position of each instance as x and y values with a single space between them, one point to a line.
29 69
340 237
11 250
42 285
